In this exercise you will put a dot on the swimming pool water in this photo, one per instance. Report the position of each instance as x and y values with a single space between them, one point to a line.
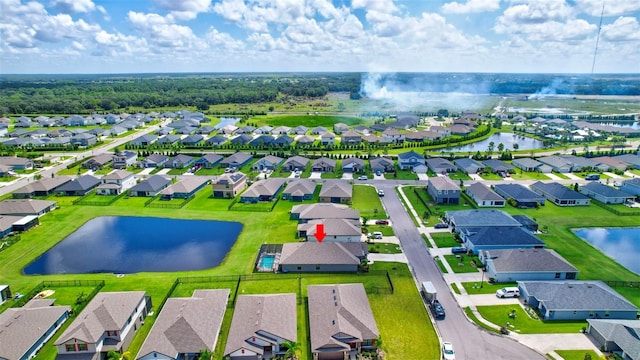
267 262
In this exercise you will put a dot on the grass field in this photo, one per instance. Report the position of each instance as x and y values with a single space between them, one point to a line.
462 263
522 323
444 239
309 121
577 354
366 200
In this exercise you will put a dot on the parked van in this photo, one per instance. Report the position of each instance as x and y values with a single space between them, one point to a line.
375 235
592 177
508 292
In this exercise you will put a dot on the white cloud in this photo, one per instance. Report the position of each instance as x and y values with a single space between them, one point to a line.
471 6
220 40
375 5
611 7
623 29
74 6
185 9
163 32
536 12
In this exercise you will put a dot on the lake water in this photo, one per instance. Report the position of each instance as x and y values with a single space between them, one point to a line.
621 244
224 121
127 244
508 139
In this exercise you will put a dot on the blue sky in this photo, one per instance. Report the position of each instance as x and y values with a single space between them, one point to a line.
130 36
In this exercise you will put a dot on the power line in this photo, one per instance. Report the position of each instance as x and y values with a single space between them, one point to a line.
595 52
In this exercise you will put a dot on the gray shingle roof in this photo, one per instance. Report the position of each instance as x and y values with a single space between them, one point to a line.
529 260
576 295
314 253
187 325
266 187
152 184
333 227
482 192
336 310
255 314
442 183
325 211
558 191
300 187
106 311
117 175
500 235
606 191
336 188
185 186
625 334
44 184
518 192
24 206
83 183
23 327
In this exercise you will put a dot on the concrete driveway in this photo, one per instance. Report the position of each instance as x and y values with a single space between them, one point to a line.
315 175
347 176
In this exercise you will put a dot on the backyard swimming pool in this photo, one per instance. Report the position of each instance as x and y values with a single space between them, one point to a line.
266 263
128 244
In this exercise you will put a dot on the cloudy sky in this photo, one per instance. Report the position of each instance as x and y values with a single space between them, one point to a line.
129 36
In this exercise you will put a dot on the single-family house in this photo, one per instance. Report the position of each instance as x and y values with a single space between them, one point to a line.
185 188
144 140
263 190
241 139
353 165
307 212
206 130
441 166
393 136
382 164
295 163
618 336
484 196
560 194
469 166
79 186
260 325
248 129
479 218
526 264
83 139
576 300
313 256
558 164
262 140
268 162
631 186
108 322
299 130
497 166
229 185
605 193
409 119
336 191
283 141
324 164
116 183
632 159
335 230
304 140
5 293
98 161
14 224
327 138
442 130
299 190
26 207
124 159
154 160
339 128
478 239
43 187
228 129
373 139
150 187
26 329
443 190
280 130
341 323
180 161
16 163
611 163
350 138
531 165
523 197
192 140
409 159
208 161
236 160
185 326
318 130
263 130
216 140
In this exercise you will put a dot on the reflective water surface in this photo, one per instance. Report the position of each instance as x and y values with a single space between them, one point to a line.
621 244
127 244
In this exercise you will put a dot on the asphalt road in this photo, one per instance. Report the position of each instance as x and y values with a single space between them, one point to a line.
469 341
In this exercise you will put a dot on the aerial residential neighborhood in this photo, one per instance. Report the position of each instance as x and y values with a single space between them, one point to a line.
192 236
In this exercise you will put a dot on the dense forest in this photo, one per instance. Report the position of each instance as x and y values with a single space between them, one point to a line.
76 94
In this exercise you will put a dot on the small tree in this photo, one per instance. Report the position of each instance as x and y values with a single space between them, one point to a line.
292 349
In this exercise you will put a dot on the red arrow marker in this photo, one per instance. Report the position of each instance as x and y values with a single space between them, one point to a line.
320 234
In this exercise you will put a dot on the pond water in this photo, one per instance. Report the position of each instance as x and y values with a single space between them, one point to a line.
224 121
127 244
508 139
621 244
626 125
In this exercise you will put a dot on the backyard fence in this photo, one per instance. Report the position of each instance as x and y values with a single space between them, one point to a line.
97 284
85 200
623 284
615 211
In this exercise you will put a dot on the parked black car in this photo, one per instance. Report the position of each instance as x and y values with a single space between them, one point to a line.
437 309
459 250
441 225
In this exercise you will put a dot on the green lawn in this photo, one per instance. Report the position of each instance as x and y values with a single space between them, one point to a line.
367 201
459 175
577 354
418 206
384 248
444 239
522 323
525 175
463 266
309 121
386 230
473 288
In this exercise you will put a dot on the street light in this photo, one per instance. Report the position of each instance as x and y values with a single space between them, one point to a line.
482 280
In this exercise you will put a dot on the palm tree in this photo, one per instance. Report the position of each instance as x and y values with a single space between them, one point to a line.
292 349
206 354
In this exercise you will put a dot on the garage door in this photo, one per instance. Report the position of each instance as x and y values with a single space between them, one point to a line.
330 356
